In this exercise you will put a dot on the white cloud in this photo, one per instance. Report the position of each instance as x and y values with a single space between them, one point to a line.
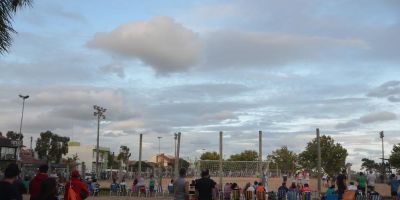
162 43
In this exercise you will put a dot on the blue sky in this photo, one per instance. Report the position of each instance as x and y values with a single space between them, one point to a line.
199 67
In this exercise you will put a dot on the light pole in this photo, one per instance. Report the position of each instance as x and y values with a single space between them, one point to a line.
99 112
20 125
23 106
381 135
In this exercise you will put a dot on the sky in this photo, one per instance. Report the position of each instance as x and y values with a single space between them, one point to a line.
199 67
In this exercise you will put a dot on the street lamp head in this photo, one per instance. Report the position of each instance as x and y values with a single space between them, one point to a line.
381 134
24 97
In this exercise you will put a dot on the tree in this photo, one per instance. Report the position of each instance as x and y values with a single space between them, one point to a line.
71 162
111 162
247 155
333 156
209 156
8 8
394 158
284 159
14 135
369 165
183 163
124 154
51 146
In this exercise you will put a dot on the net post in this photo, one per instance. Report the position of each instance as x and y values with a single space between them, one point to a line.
177 156
140 156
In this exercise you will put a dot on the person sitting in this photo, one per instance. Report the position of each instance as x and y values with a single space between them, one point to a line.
227 191
170 187
235 193
114 187
352 187
134 188
306 192
282 191
293 192
260 191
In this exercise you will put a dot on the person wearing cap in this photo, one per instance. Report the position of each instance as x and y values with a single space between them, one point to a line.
8 191
79 187
34 185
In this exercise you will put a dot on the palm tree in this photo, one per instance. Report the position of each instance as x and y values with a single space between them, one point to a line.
7 10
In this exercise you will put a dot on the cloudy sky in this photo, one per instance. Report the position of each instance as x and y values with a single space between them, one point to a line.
199 67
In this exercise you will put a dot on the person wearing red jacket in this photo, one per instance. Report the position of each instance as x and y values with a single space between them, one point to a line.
34 185
80 188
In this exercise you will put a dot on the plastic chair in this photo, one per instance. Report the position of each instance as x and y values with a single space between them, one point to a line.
248 195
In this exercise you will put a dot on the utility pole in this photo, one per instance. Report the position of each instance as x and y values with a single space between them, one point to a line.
99 112
319 162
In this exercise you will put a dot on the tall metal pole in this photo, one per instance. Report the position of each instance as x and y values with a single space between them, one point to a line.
158 160
20 125
260 152
178 147
112 165
220 160
319 162
176 157
99 112
97 146
140 156
381 135
22 115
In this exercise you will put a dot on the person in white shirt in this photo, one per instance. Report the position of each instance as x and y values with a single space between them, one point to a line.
352 187
371 182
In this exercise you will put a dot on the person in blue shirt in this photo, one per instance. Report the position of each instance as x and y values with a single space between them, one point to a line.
394 186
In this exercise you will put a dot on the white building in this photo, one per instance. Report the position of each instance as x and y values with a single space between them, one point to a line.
87 156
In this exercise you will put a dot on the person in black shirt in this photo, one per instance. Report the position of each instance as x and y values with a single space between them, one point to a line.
204 186
8 191
341 183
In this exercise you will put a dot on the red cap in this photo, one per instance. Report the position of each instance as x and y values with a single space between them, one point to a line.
75 174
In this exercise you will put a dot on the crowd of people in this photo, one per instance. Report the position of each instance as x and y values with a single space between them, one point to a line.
45 187
42 186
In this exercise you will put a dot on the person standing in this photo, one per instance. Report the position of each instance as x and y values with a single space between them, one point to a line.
8 191
394 186
34 185
79 188
371 178
204 186
181 187
48 190
341 183
361 182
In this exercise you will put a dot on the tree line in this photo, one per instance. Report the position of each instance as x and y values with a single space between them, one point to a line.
333 158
